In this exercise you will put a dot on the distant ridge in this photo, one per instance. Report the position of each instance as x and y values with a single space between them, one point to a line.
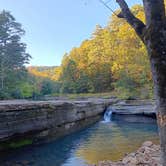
51 72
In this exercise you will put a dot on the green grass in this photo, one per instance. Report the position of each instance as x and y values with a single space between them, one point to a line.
120 93
86 95
20 143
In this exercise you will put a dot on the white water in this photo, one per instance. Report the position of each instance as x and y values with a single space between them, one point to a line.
108 115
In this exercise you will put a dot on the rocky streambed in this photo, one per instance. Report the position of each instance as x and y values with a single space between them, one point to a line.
29 122
147 155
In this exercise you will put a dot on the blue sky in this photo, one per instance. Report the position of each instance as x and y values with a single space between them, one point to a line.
53 27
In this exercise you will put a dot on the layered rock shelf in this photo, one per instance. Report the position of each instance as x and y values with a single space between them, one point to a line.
135 107
45 120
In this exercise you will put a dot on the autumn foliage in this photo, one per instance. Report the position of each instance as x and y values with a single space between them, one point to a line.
113 59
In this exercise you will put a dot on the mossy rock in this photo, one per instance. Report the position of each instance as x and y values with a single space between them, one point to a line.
15 144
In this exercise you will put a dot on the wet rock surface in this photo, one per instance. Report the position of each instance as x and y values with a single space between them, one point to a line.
147 155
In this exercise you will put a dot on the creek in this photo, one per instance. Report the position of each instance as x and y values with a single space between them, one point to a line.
109 139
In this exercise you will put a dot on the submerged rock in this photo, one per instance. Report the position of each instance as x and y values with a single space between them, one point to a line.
147 155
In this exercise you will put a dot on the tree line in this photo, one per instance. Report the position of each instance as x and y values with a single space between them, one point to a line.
112 59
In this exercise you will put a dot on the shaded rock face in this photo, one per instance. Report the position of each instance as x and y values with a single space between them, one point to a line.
139 118
47 120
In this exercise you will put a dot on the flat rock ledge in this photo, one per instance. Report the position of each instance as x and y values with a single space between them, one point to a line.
135 107
147 155
36 122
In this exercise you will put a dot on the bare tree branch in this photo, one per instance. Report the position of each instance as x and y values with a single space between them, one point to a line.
137 24
154 11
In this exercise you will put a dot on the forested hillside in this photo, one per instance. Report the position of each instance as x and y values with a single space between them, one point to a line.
113 59
50 72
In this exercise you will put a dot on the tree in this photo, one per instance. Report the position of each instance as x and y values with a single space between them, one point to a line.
47 87
129 57
153 35
13 54
112 52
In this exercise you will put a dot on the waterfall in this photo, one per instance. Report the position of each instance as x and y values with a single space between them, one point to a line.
108 115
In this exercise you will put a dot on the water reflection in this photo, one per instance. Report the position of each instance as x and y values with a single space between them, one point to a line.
53 154
112 141
102 141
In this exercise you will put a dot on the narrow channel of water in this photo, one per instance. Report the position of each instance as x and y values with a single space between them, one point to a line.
101 141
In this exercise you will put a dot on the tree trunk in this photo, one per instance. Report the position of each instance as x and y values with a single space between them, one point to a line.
2 83
153 35
159 77
2 76
157 54
162 131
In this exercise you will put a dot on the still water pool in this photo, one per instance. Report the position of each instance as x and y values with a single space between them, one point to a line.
101 141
